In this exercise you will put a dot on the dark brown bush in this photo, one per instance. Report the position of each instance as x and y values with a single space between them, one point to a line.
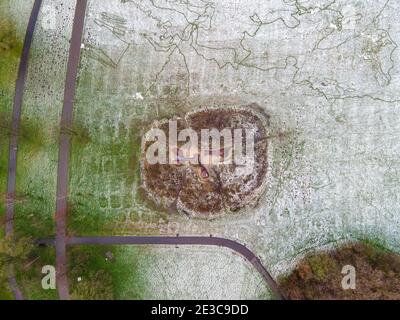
318 276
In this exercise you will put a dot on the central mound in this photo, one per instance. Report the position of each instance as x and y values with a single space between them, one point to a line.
210 162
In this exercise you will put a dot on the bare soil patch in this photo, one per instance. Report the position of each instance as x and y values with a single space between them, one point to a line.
208 190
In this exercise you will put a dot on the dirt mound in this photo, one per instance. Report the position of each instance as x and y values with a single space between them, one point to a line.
205 182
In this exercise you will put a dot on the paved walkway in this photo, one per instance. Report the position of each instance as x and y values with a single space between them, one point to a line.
187 240
65 148
15 124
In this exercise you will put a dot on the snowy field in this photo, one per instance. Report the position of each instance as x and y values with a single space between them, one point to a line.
326 72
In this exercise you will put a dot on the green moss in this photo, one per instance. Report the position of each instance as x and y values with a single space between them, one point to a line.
104 173
375 243
321 265
5 293
31 132
30 220
10 51
84 217
80 134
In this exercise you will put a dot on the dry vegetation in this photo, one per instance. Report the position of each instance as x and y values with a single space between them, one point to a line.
208 190
318 276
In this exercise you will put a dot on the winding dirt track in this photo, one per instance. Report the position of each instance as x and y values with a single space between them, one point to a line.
65 148
15 124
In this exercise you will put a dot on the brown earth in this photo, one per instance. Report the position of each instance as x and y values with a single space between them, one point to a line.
227 187
318 276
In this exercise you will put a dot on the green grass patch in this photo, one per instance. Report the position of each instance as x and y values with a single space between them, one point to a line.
103 272
29 275
10 51
105 170
105 176
36 179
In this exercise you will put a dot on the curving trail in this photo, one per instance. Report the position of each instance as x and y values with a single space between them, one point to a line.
13 148
179 240
65 148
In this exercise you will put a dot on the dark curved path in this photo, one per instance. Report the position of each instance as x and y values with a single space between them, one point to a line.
178 240
15 124
65 148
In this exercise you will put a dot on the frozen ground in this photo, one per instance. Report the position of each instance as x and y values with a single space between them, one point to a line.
327 73
194 273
